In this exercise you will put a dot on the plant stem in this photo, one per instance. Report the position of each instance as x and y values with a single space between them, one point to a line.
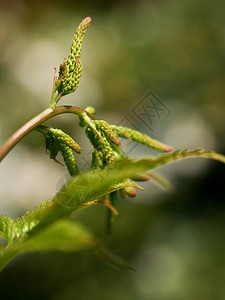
33 123
111 213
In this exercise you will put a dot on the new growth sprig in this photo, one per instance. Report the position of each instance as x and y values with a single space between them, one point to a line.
70 70
111 171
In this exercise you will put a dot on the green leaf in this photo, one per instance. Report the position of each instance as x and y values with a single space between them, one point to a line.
183 154
63 235
6 228
30 219
93 184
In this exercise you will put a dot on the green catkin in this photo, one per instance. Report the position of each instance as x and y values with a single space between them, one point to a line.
69 159
60 136
70 83
107 151
97 160
70 70
78 39
102 145
59 141
139 137
51 142
104 126
52 146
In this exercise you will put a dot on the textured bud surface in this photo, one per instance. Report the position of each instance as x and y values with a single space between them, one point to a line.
59 141
69 159
71 69
134 135
78 40
59 135
102 145
104 127
97 160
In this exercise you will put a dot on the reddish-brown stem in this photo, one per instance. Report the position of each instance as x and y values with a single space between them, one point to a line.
33 123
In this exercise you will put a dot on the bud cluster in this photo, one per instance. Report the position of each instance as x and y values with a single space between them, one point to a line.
104 146
70 70
62 138
103 126
104 138
58 141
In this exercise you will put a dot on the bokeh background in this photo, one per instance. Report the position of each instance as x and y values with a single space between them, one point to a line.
175 49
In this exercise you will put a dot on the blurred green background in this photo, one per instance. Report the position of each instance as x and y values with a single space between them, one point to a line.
176 49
